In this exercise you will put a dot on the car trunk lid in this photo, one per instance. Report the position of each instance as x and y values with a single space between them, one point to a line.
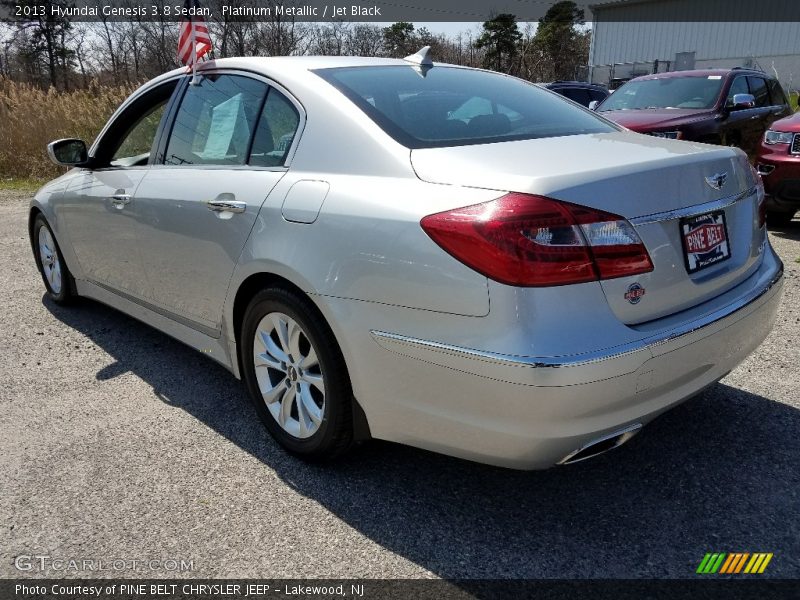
659 185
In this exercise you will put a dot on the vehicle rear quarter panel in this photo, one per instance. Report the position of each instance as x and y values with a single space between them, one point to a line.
367 245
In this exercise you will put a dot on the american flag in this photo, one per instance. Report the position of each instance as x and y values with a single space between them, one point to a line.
193 41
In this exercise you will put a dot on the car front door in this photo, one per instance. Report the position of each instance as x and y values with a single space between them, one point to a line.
743 126
98 207
228 147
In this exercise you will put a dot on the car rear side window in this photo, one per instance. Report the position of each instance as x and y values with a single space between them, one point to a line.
275 132
758 87
597 96
578 95
216 121
450 106
776 91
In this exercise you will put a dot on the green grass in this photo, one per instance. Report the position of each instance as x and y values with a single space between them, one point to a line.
794 99
21 184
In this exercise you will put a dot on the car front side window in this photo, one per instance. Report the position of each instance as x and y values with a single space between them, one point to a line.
129 139
739 86
216 121
136 145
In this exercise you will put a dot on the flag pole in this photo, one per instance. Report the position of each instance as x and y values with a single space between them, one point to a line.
194 80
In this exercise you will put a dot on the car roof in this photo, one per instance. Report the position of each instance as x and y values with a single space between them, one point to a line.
286 69
701 73
288 65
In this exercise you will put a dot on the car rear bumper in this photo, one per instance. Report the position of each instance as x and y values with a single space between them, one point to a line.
533 412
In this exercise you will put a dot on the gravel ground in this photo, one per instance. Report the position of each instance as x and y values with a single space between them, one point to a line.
117 442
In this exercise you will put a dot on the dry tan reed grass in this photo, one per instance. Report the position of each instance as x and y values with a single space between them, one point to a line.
31 117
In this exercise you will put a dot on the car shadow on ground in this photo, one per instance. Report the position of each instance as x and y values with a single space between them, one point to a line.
718 473
789 231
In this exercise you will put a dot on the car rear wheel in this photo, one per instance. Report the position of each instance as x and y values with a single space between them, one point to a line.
56 276
296 375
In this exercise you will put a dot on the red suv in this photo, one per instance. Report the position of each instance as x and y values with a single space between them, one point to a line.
732 107
778 163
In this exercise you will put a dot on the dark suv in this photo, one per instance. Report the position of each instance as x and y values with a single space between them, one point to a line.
732 107
579 91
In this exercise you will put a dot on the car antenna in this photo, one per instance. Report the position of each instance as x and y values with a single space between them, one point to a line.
422 59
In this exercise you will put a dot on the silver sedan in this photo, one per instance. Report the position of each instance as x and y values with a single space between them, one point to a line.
433 255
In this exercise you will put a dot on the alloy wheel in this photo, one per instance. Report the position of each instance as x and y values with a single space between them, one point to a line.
51 265
289 375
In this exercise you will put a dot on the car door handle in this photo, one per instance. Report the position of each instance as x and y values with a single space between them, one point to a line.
120 200
227 206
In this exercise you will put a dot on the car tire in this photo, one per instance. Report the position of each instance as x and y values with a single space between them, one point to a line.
296 375
779 218
58 280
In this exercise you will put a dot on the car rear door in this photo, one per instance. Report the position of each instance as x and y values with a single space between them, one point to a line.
763 110
228 147
779 105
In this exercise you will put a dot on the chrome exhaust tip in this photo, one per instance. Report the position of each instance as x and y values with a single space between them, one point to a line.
601 445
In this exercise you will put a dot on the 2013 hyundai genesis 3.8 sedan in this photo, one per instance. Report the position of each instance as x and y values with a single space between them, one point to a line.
433 255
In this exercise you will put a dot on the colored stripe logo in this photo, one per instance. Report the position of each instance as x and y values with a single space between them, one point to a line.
734 563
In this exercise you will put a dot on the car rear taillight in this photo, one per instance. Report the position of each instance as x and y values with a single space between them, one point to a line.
526 240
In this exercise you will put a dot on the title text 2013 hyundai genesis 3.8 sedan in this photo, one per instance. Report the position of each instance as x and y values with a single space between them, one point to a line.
439 256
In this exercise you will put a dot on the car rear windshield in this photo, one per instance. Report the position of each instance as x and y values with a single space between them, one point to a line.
450 106
667 92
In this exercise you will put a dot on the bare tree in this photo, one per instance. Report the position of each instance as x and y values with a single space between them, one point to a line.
365 40
330 39
43 36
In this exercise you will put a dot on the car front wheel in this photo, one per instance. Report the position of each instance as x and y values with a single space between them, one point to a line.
56 276
296 375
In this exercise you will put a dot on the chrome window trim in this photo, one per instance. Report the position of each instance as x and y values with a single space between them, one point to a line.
218 167
694 210
578 360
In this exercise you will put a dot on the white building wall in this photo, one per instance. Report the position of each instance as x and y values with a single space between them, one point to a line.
618 38
623 41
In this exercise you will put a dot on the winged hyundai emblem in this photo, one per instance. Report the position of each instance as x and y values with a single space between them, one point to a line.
717 180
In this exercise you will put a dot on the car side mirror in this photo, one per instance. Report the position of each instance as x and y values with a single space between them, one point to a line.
68 152
743 101
593 104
